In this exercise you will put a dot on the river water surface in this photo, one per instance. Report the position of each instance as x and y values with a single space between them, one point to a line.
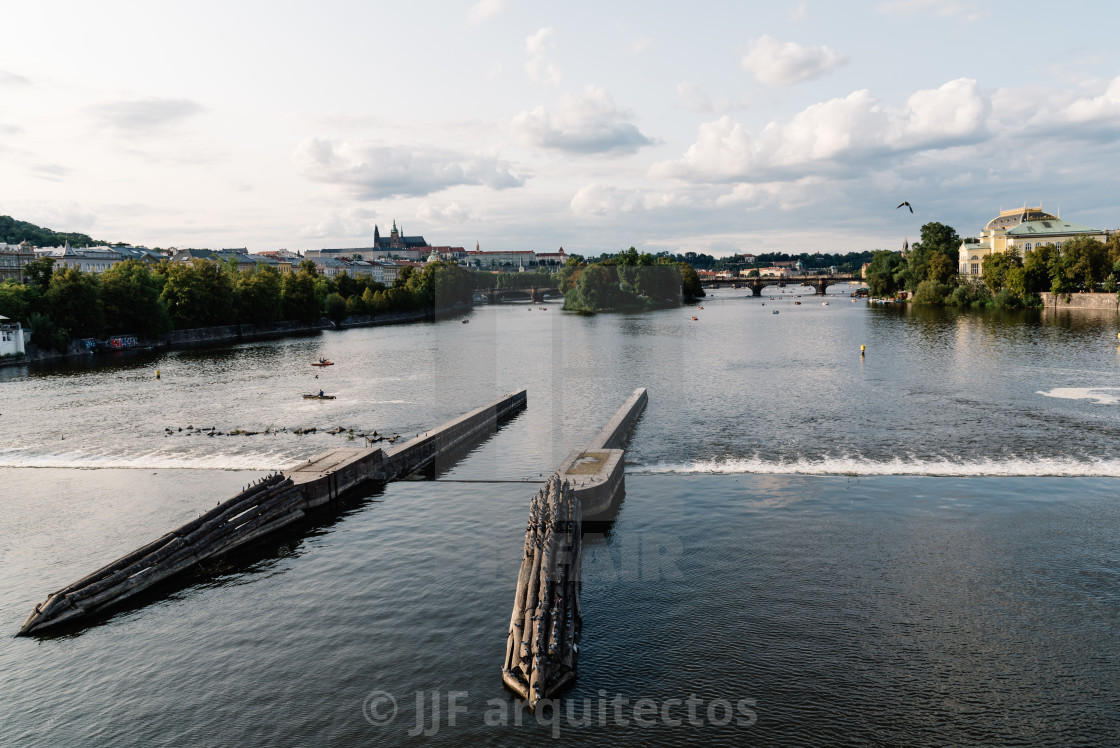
920 546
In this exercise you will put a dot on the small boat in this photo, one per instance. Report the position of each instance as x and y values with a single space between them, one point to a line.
695 318
797 303
318 397
466 322
775 311
322 362
824 303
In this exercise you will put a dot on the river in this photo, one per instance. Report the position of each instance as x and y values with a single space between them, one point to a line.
918 546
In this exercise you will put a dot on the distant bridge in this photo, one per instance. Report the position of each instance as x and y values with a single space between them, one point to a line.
819 282
532 293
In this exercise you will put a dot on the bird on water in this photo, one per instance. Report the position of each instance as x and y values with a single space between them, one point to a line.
906 204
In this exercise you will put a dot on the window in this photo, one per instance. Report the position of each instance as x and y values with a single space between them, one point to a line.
975 268
1027 247
1058 245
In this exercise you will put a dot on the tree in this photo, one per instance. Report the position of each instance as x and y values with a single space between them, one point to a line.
690 283
336 308
1036 268
596 290
198 294
257 295
934 257
883 273
1086 261
130 295
299 299
74 299
38 273
17 301
997 266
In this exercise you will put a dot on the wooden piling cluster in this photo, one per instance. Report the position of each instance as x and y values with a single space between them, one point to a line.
542 647
263 507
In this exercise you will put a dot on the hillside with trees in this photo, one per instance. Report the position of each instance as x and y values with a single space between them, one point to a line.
16 232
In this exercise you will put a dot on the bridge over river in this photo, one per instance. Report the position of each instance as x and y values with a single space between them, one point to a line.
819 282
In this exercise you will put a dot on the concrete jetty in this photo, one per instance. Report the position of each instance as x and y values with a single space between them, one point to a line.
542 645
263 508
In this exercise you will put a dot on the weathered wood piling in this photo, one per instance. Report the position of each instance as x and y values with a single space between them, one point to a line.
542 646
264 507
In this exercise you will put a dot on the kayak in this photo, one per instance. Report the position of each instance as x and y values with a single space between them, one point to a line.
318 397
322 363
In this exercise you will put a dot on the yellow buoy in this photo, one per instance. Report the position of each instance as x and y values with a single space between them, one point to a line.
862 350
157 373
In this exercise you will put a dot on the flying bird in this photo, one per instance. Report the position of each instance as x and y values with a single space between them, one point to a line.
906 204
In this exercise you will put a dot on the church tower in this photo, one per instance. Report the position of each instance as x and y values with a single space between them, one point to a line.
376 237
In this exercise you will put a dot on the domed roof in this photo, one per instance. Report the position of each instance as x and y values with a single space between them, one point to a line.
1008 219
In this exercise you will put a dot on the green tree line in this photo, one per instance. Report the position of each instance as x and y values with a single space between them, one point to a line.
1007 280
133 298
628 280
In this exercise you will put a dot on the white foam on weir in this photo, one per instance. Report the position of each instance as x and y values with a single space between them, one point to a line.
156 461
1099 395
1013 467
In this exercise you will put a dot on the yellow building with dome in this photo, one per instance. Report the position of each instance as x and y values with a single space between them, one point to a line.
1020 230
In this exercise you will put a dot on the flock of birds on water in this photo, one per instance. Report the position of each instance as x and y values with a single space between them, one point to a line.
371 437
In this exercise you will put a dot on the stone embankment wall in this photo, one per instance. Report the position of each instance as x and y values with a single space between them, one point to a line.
230 334
1080 300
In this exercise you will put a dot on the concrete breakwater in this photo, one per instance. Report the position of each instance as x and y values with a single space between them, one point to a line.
542 644
262 509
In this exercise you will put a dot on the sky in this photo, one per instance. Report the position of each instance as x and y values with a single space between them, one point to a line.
717 127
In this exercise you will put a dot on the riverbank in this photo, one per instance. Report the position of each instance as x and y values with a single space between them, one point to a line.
231 334
1080 300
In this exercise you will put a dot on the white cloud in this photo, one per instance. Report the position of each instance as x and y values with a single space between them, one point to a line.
580 123
939 8
496 71
696 100
784 196
640 45
449 213
1059 115
832 133
351 223
11 79
1105 106
600 200
485 9
144 116
373 171
800 13
538 67
775 63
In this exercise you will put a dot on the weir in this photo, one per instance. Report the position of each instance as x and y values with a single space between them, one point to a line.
542 645
263 508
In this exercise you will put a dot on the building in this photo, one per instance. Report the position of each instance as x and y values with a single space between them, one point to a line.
11 337
511 260
241 256
396 246
85 259
552 259
13 258
1019 230
285 259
